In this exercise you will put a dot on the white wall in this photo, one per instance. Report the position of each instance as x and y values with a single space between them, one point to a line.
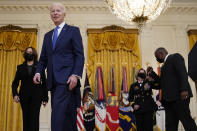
169 30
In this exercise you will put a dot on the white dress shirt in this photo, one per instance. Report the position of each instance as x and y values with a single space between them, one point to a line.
60 28
166 57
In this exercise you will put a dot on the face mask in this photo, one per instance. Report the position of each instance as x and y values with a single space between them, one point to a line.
142 75
160 60
28 57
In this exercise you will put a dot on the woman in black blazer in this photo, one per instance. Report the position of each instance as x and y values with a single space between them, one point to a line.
30 96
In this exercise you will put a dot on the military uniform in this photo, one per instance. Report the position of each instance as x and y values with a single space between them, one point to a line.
141 94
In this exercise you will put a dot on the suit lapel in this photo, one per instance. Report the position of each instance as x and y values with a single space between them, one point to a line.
50 39
163 69
63 31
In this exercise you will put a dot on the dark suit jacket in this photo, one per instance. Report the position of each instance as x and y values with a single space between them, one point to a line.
66 59
28 88
174 78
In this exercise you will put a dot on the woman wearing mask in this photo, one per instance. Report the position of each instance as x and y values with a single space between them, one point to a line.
144 106
30 96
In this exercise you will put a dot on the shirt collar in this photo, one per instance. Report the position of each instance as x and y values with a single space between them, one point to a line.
166 57
62 24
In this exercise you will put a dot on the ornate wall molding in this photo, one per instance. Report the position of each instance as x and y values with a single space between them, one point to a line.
82 6
44 6
36 8
182 9
112 28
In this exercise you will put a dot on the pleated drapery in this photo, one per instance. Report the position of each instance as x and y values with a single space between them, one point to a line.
192 38
13 41
116 47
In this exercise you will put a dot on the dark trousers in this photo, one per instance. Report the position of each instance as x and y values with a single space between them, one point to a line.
64 114
144 121
179 110
31 113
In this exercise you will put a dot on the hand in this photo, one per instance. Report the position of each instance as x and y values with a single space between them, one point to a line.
136 107
36 78
149 78
184 95
146 86
44 103
72 81
16 99
158 103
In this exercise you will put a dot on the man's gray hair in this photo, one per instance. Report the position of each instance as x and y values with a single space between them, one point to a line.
60 4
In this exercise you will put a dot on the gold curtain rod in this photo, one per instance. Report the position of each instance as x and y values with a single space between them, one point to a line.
112 28
17 29
192 32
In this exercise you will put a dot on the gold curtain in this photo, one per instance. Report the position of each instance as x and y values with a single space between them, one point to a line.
192 38
116 47
13 41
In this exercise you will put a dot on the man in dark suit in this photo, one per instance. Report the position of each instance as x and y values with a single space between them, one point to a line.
62 54
176 91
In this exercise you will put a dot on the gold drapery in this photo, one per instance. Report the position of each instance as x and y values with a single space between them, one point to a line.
13 41
192 34
192 38
116 47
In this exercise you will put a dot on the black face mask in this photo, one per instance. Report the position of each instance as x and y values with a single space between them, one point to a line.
141 75
159 60
28 57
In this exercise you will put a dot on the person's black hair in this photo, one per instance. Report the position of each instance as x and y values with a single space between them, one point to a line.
161 49
34 52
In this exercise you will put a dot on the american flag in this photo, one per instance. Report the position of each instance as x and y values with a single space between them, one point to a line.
80 123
